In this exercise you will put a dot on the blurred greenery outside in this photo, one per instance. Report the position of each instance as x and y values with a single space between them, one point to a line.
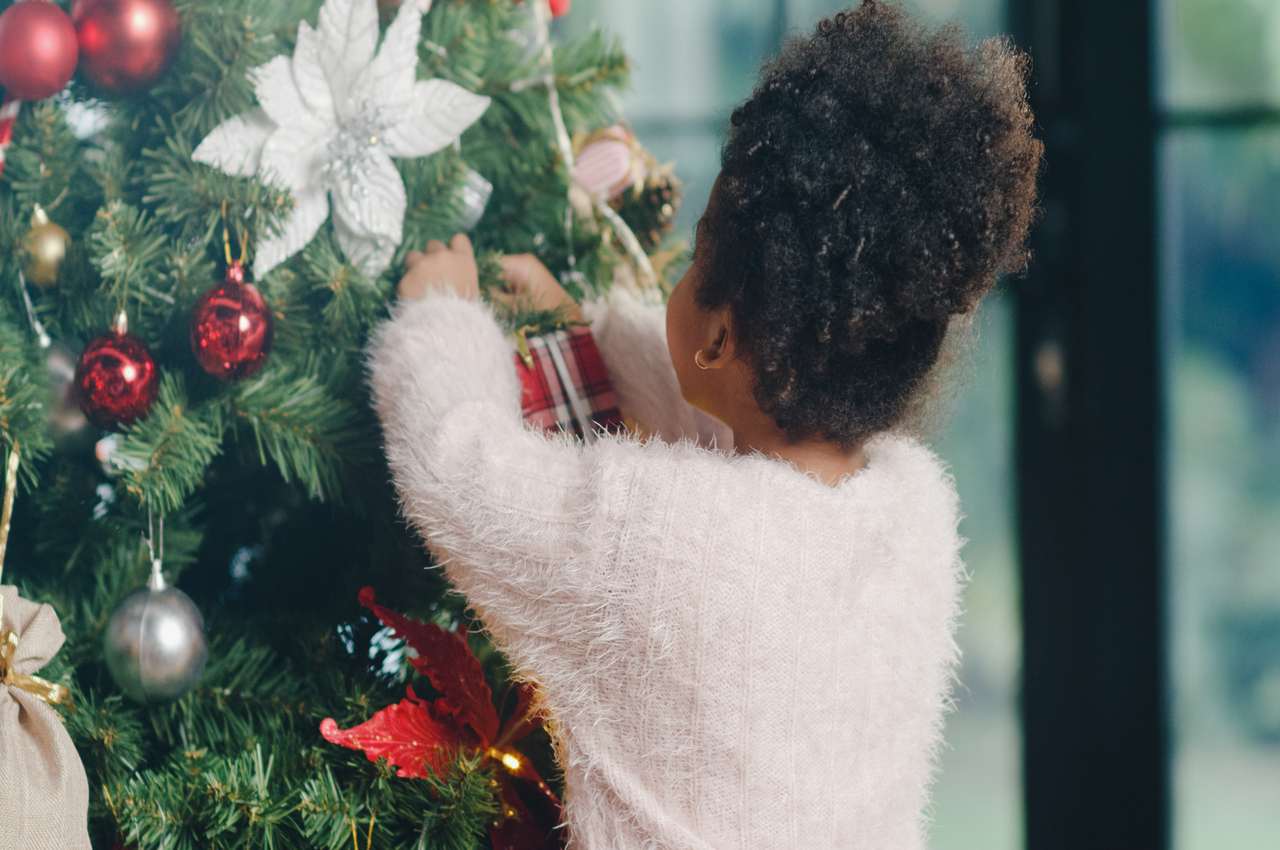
1220 268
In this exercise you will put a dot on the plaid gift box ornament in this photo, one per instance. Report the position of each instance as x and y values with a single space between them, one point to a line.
565 383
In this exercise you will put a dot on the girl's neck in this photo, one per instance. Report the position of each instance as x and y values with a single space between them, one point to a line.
825 461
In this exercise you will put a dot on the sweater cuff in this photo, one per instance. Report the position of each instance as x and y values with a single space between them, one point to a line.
437 353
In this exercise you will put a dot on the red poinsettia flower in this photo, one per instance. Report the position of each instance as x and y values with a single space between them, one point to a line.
417 736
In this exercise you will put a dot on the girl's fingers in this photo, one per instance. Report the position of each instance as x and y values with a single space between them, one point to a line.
434 246
515 271
506 299
412 258
461 242
412 286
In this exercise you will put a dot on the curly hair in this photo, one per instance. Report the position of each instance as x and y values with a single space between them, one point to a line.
875 184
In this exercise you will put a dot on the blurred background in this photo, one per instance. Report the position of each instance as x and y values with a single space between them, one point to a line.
1214 72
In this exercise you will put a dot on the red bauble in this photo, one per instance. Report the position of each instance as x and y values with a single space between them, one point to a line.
560 7
125 45
116 380
231 328
37 50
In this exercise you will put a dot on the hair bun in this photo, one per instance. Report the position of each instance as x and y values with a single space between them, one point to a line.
876 183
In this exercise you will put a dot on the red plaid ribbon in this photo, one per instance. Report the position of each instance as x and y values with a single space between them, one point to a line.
567 386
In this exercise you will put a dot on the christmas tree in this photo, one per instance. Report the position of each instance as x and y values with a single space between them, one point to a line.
197 236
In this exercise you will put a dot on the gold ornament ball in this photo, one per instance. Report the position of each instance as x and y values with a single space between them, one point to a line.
46 247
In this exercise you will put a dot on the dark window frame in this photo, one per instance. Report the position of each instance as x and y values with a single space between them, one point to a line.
1091 442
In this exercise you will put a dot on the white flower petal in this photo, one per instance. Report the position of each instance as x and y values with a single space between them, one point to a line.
371 255
295 157
235 146
277 93
310 74
388 80
349 31
310 209
439 113
369 215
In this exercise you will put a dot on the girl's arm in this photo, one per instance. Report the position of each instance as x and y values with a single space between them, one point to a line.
630 330
631 333
501 506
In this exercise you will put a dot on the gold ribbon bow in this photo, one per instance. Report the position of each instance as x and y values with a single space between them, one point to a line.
41 689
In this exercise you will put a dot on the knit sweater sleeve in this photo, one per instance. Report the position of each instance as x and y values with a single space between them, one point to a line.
499 505
631 334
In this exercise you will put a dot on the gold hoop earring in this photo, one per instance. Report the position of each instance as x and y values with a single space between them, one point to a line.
697 359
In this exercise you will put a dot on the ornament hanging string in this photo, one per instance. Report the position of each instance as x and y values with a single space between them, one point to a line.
155 551
40 688
242 236
368 839
629 241
564 143
42 336
9 110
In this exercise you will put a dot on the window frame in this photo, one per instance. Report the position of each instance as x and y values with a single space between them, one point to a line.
1091 437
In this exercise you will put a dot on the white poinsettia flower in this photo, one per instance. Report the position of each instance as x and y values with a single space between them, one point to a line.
330 120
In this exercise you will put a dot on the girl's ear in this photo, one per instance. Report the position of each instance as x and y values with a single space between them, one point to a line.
719 348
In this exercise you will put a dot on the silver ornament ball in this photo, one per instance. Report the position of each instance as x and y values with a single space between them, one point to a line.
65 417
473 198
154 645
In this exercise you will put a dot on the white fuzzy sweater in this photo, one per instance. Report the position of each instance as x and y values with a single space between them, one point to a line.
732 653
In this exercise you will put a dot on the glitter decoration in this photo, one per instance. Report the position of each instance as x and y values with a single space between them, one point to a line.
116 379
331 119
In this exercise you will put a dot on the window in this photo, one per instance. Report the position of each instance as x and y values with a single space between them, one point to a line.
1219 157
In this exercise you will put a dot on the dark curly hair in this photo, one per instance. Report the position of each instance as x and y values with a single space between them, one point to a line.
878 180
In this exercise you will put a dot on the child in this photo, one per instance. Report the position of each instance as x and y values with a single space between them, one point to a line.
742 627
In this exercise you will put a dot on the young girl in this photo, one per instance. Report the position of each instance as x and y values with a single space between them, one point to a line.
742 626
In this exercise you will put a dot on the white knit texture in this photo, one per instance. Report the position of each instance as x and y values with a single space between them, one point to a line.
732 654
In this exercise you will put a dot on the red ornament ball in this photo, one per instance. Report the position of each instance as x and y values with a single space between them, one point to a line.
231 328
560 7
125 45
37 50
116 380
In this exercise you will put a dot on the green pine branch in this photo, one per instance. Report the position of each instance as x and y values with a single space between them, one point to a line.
163 457
300 427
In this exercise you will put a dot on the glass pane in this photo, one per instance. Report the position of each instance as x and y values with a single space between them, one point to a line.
690 61
978 795
980 17
1221 208
697 157
1219 53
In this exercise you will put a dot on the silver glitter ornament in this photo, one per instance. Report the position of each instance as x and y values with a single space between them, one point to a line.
473 198
66 419
154 645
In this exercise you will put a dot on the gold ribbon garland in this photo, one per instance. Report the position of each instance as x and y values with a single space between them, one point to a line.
6 514
38 687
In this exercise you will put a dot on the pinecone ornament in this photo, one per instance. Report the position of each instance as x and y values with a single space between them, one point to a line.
650 209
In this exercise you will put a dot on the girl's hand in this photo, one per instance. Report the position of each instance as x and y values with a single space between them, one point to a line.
531 285
451 268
